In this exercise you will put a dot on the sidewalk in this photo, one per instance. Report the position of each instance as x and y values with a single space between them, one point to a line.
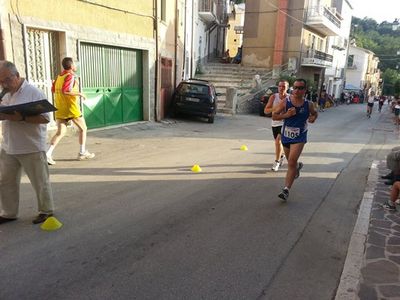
372 267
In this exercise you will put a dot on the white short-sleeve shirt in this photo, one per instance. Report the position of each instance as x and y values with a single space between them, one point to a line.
23 137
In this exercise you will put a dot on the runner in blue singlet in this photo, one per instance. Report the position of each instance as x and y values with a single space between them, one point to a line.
295 112
294 129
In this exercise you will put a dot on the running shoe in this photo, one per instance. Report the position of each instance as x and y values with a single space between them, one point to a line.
50 160
389 206
281 161
284 195
275 166
299 167
85 156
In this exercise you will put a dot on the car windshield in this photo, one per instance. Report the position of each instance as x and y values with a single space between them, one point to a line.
190 88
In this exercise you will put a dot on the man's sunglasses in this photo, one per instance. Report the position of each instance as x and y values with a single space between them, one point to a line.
299 88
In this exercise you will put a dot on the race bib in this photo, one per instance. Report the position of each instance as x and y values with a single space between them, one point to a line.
291 132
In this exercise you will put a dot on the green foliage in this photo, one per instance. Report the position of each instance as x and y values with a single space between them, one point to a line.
385 43
380 39
390 77
397 88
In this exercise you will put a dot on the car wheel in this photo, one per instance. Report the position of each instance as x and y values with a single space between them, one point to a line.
175 113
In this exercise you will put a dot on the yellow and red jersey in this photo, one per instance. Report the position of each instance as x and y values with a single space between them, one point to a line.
67 105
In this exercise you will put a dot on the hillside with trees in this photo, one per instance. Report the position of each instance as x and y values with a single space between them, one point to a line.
385 43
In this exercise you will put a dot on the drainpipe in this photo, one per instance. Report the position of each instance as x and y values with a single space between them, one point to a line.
176 40
2 45
156 90
280 36
184 44
2 41
191 50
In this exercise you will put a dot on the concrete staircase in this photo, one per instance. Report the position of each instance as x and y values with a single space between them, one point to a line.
224 76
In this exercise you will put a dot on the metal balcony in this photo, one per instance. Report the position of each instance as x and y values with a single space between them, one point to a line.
315 58
208 10
323 20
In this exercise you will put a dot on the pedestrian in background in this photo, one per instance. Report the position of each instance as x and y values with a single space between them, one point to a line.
314 99
381 102
323 97
295 113
273 102
370 103
66 96
23 147
396 111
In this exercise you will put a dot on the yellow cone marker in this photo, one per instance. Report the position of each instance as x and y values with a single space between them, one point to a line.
196 169
51 224
243 148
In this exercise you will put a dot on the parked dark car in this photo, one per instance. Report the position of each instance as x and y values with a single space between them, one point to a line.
197 98
264 99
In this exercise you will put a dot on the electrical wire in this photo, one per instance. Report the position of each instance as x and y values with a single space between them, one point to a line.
290 16
117 9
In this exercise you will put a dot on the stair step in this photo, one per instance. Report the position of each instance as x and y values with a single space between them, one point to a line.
241 78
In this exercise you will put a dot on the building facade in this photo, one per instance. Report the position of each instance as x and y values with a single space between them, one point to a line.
131 54
208 32
338 47
292 36
234 38
362 70
113 43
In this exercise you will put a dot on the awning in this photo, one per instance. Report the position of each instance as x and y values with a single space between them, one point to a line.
351 87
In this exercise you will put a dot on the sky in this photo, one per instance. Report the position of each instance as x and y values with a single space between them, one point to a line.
379 10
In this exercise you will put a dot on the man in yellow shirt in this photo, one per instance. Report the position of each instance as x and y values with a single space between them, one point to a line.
66 96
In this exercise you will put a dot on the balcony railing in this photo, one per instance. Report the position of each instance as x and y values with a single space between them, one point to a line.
315 58
331 16
323 19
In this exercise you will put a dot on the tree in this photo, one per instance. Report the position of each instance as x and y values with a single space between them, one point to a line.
397 88
390 77
380 39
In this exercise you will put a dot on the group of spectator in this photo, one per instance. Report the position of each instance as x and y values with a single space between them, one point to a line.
237 59
351 97
320 101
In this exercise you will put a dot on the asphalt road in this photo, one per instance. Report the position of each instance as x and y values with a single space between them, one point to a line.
138 224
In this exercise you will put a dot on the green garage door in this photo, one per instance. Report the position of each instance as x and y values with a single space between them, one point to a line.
112 83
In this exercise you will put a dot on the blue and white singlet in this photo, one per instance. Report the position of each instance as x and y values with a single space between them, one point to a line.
294 129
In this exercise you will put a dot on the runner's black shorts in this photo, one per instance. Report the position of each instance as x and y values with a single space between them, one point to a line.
276 131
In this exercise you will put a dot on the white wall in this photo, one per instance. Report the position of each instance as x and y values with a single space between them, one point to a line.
335 86
356 76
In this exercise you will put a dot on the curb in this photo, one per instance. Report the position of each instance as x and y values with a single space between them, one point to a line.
350 279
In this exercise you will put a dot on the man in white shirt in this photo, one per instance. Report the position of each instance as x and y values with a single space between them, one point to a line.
23 146
273 101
